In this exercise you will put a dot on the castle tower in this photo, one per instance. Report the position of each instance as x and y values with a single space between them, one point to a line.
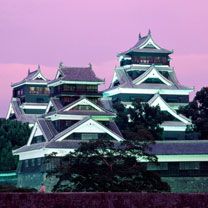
145 73
30 98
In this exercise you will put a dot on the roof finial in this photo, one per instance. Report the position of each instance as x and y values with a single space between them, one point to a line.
140 36
38 66
28 71
61 64
149 32
90 65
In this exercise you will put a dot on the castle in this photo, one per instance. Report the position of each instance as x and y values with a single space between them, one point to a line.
69 109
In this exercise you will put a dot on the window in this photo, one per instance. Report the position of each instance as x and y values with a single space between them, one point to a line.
38 161
39 90
20 92
84 107
160 166
189 166
26 163
89 136
92 88
33 162
153 81
37 139
81 88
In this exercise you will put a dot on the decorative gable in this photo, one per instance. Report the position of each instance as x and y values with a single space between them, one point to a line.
158 101
39 76
36 135
83 104
50 108
149 44
152 74
87 126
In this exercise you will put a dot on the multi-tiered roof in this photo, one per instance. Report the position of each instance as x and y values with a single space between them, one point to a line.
30 97
64 126
145 73
145 44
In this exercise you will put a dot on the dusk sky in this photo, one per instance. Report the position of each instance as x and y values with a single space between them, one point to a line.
77 32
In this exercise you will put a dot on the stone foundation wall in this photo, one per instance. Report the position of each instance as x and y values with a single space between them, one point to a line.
103 200
187 184
177 184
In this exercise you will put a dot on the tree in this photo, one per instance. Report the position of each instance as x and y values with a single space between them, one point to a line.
140 122
13 134
103 165
197 111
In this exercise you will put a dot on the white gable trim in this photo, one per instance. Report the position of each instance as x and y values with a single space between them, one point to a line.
149 41
50 104
158 101
10 111
84 101
36 131
39 75
58 74
91 126
152 72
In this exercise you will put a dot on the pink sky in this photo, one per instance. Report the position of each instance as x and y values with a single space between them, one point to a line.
77 32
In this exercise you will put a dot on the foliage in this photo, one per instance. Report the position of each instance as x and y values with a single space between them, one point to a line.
197 111
13 134
144 122
103 165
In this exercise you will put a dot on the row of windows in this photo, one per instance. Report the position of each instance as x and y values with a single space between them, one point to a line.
71 88
32 162
39 90
84 107
150 60
89 136
174 166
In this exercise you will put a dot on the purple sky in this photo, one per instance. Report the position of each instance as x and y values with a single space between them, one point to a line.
77 32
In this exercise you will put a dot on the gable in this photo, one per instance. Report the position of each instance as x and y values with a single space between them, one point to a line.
89 126
58 74
152 74
158 101
10 112
83 104
36 135
149 43
39 76
50 108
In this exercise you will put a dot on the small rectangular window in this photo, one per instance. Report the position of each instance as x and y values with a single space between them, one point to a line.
33 162
26 163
